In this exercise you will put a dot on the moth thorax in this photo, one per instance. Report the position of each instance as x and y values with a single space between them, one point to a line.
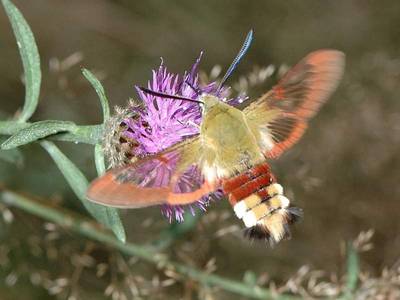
209 100
259 201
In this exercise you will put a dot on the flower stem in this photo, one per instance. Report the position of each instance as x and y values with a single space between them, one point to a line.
93 231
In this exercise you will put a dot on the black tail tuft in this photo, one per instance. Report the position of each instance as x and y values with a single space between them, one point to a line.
260 231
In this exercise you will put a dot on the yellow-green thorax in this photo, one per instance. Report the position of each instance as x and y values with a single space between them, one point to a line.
227 138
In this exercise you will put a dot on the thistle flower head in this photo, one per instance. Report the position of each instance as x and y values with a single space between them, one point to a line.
162 122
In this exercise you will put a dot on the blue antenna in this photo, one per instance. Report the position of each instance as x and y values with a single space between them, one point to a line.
238 58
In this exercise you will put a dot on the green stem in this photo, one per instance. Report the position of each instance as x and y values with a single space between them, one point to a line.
353 269
93 231
11 127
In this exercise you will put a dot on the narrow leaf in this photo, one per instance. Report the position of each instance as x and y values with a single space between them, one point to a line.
100 92
109 217
37 131
30 59
88 134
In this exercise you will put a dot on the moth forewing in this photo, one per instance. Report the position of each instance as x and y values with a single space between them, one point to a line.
169 177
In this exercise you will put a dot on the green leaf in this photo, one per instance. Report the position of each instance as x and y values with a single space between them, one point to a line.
109 217
30 59
99 90
88 134
37 131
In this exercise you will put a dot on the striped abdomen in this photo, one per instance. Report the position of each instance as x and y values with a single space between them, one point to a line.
259 201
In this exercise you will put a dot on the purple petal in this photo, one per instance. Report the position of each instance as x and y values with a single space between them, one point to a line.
165 122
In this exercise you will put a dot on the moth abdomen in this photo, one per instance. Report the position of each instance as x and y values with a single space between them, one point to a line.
258 200
275 226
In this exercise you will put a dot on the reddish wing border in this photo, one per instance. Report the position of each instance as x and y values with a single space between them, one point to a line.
152 180
296 98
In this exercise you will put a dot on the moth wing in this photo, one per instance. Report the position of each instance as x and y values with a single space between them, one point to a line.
171 177
279 117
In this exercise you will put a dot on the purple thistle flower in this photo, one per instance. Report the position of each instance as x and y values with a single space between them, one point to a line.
162 122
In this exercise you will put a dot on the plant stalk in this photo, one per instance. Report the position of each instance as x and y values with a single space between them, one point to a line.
84 227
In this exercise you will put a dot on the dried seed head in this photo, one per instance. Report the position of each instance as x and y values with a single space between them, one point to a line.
117 147
385 287
362 243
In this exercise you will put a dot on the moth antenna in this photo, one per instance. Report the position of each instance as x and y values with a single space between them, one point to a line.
238 58
160 94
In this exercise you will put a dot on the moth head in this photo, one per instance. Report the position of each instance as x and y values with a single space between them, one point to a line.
208 102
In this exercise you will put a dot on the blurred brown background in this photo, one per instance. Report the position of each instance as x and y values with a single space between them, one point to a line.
344 173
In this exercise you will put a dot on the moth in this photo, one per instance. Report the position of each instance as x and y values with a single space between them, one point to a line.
232 150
